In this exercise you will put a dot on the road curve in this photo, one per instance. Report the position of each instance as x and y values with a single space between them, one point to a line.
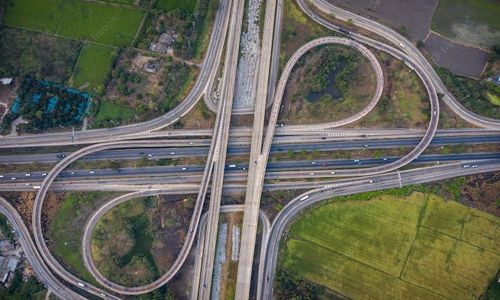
35 260
388 180
409 50
429 134
207 73
40 197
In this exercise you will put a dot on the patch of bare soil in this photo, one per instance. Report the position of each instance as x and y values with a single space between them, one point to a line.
23 202
457 58
171 222
396 14
483 191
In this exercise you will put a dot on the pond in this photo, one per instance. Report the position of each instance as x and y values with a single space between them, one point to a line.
331 88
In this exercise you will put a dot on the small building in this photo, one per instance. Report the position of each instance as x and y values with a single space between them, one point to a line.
151 67
6 245
165 41
4 271
12 263
6 81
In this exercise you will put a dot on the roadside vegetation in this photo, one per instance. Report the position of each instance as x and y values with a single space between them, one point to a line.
137 241
93 67
297 29
68 213
39 55
404 102
329 83
481 97
21 289
404 243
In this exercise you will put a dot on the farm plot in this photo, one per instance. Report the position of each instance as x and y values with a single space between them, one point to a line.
473 22
168 5
415 246
457 58
75 19
93 67
416 24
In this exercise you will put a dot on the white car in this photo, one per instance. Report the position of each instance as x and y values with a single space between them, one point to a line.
1 176
92 172
184 169
27 174
44 174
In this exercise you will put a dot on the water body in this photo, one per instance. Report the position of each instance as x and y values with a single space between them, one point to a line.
331 87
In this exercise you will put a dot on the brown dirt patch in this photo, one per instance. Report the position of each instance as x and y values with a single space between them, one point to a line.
483 191
396 14
457 58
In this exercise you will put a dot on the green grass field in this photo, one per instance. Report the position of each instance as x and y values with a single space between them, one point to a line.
396 247
111 111
66 230
76 19
168 5
468 21
94 67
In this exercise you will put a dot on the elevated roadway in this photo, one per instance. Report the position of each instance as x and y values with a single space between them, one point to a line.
252 205
410 52
207 72
388 180
35 260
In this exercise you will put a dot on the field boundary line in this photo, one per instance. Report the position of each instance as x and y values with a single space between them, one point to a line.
342 254
461 43
60 36
139 30
423 210
463 223
84 46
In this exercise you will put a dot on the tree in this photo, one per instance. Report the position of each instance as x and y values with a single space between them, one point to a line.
420 44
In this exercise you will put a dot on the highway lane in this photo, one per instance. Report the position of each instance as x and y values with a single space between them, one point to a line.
220 152
388 180
67 276
189 184
249 229
250 214
286 144
410 53
34 259
180 173
207 73
195 285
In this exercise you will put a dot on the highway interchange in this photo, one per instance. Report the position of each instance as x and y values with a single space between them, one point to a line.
134 141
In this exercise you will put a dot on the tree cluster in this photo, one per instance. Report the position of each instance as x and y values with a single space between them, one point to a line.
35 98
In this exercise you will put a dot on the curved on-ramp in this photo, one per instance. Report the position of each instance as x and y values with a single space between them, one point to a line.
409 51
37 218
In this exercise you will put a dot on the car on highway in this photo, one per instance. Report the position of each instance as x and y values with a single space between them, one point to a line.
92 172
466 166
13 178
356 160
304 198
150 155
474 166
27 174
1 176
232 166
184 169
332 172
313 163
401 45
44 174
